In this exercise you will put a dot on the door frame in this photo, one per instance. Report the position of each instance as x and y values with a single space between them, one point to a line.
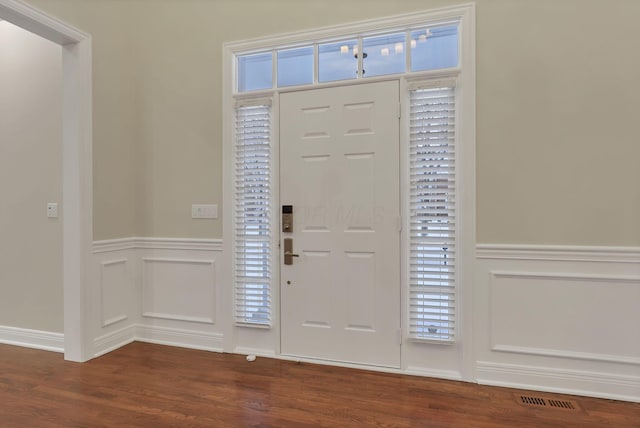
452 361
77 167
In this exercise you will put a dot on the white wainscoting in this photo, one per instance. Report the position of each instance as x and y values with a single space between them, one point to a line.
179 289
557 319
561 319
158 290
113 287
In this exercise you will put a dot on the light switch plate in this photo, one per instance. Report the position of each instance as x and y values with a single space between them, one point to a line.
204 211
52 210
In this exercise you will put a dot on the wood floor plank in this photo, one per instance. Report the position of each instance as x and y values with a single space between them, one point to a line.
145 385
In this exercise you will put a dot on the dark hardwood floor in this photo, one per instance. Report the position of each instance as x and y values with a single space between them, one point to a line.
144 385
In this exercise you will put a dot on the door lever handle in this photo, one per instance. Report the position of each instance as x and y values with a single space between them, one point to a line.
288 251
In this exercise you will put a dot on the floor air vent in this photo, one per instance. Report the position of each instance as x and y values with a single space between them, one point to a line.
532 401
548 403
562 404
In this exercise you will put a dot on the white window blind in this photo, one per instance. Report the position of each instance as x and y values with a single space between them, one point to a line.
432 285
253 216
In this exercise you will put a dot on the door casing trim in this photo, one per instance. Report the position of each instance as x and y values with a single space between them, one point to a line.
77 163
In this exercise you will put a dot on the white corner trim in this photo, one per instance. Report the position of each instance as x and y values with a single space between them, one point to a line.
133 243
36 339
564 253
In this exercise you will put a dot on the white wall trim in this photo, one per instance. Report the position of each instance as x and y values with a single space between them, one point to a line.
117 318
113 245
179 337
575 382
438 374
191 244
341 30
507 358
114 340
36 339
609 279
168 316
158 335
565 253
566 354
133 243
566 276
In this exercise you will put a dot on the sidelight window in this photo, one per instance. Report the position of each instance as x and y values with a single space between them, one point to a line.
253 215
432 214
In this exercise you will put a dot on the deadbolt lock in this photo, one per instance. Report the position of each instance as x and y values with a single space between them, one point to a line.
287 218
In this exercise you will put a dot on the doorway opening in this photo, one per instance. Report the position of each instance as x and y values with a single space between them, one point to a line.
77 189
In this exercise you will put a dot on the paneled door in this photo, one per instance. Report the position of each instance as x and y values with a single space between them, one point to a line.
339 172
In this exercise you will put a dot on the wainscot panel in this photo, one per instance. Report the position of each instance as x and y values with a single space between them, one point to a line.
559 319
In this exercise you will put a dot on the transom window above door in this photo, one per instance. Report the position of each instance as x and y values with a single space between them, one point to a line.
399 51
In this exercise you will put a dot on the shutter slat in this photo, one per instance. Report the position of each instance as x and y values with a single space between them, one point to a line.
252 216
432 210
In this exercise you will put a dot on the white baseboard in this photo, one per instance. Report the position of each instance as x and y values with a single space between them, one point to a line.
112 341
159 335
36 339
244 350
439 374
574 382
179 337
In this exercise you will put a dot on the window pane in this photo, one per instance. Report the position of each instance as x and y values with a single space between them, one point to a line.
255 72
336 61
295 66
433 48
384 55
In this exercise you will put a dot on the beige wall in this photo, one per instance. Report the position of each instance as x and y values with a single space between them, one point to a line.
557 147
115 110
31 292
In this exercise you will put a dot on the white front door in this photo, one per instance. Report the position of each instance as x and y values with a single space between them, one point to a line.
339 170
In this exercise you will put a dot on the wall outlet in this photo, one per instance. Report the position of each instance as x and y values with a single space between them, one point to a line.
52 210
204 211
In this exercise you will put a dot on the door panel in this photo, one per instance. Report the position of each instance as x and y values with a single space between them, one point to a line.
339 169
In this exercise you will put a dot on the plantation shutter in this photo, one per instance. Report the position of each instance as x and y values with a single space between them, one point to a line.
252 252
432 274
